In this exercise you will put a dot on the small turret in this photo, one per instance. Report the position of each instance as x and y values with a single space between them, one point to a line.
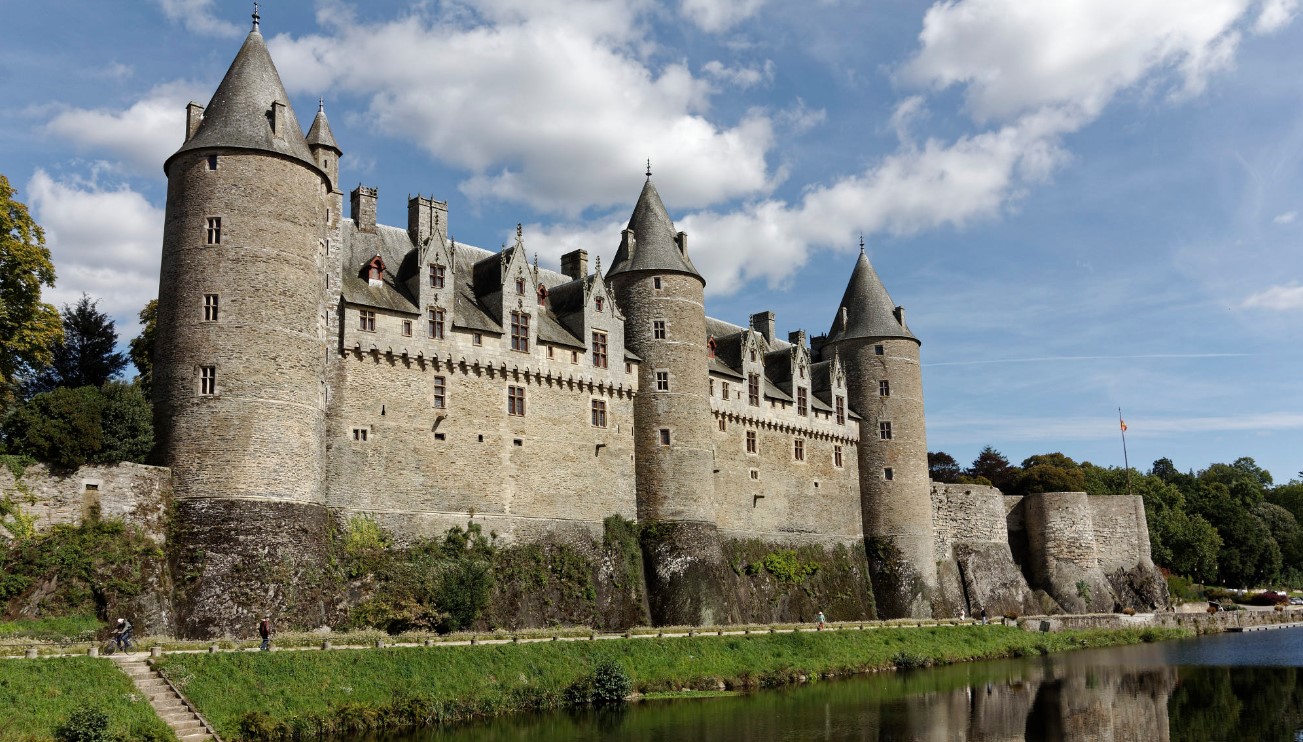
321 142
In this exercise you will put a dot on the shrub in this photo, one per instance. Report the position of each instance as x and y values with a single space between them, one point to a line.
1129 611
84 725
608 685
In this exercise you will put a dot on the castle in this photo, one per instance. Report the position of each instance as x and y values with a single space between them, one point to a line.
313 365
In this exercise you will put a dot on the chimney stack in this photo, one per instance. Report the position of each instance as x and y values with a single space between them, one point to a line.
763 323
575 263
363 201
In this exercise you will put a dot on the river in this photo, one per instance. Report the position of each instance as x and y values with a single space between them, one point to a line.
1224 687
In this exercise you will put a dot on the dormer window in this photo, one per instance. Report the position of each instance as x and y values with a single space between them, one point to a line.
520 285
436 276
599 303
375 270
710 347
542 295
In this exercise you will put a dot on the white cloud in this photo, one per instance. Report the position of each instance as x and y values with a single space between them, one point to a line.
739 77
1275 15
105 243
540 108
197 16
715 16
1287 218
143 135
1277 298
1016 56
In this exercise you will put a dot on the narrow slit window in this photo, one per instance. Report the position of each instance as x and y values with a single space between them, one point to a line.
212 162
440 392
214 230
837 456
841 410
665 436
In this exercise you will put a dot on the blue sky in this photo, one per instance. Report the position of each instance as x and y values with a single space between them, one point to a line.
1083 205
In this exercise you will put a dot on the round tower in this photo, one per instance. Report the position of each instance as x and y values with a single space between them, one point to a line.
661 295
885 387
240 354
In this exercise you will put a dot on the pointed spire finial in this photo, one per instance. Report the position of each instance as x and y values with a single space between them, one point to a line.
321 104
256 17
519 232
861 243
599 264
648 168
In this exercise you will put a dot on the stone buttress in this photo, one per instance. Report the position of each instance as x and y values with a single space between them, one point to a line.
240 355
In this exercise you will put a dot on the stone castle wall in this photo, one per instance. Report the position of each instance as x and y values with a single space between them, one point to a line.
136 494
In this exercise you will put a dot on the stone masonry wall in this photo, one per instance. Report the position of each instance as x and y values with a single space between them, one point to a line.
133 493
976 569
1121 531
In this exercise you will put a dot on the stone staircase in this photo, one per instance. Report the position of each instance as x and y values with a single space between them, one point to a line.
174 710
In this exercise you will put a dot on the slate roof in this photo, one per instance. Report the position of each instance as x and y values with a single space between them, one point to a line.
655 244
320 134
869 309
239 114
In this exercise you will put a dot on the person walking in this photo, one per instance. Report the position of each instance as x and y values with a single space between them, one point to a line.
819 620
264 630
983 616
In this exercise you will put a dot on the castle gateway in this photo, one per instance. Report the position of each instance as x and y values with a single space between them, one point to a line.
313 365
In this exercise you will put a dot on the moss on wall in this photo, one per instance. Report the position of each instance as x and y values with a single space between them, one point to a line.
779 583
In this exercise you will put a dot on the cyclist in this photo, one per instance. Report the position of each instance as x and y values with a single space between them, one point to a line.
122 635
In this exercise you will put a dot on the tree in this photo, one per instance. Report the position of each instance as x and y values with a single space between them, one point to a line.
942 467
30 327
994 467
87 354
127 424
142 347
60 427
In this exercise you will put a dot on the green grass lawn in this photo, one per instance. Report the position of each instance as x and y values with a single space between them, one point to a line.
36 696
361 689
61 629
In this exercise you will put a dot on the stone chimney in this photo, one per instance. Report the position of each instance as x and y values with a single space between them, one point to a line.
816 346
363 201
194 116
575 263
796 337
426 219
763 323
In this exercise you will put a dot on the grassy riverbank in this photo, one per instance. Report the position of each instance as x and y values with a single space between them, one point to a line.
269 695
37 696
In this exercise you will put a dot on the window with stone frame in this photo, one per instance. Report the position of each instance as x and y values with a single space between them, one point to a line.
599 413
599 303
436 276
520 285
440 392
207 381
210 307
434 318
656 283
599 349
888 474
477 338
884 388
723 387
752 445
837 455
802 402
212 162
665 436
879 350
366 320
658 329
884 430
520 332
214 230
798 449
841 410
753 390
407 328
662 381
723 426
360 435
516 401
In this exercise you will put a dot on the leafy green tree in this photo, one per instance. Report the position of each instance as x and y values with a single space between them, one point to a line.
1049 472
127 424
61 427
87 355
28 326
991 465
142 346
942 467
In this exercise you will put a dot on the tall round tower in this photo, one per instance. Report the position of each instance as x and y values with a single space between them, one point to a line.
661 295
885 387
240 354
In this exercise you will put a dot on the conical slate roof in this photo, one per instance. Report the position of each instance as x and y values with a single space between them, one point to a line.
320 135
655 245
870 312
239 115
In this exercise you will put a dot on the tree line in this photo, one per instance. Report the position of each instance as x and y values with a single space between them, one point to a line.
63 399
1227 524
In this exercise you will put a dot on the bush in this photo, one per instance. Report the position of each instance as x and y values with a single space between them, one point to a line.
608 685
70 427
84 725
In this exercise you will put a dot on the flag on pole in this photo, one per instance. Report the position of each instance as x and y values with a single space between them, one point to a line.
1123 424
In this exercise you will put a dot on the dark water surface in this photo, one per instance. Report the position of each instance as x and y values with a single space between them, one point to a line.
1226 687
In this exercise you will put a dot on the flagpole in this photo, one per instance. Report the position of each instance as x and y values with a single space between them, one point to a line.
1123 427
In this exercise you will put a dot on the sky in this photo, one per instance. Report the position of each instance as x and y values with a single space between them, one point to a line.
1083 205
